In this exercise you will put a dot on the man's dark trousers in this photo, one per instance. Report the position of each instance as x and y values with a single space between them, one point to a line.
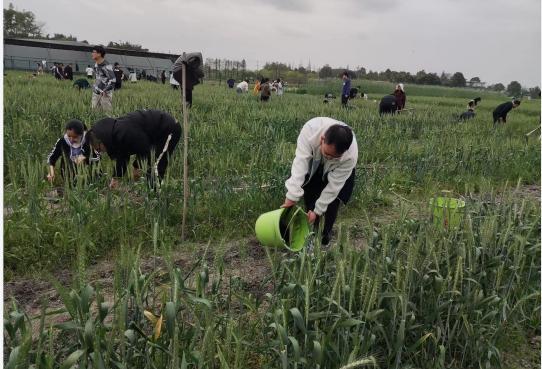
312 191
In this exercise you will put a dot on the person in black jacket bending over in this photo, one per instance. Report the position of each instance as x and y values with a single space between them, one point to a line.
140 133
500 112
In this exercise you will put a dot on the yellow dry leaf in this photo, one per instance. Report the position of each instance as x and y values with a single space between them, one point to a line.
150 316
158 327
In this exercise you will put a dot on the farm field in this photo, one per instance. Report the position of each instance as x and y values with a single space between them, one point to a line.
394 290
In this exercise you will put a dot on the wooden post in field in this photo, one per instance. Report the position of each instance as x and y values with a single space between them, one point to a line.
185 151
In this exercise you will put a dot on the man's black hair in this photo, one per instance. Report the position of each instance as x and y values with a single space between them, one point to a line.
516 102
116 63
77 126
339 136
99 49
345 73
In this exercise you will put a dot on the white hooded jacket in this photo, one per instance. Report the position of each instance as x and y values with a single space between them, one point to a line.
308 157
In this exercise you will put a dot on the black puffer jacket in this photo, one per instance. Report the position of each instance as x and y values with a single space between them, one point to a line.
136 133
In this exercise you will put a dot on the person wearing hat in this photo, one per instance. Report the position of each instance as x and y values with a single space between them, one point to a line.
400 96
141 133
323 171
500 112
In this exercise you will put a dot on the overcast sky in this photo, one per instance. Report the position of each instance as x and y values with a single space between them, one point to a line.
496 40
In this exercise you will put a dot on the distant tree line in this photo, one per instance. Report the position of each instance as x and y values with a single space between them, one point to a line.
423 78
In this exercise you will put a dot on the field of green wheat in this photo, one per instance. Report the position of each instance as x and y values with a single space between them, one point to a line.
394 291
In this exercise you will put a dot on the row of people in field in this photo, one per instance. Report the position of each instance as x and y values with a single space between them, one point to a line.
107 78
322 172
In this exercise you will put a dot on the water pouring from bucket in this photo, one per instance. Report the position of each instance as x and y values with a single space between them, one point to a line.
283 228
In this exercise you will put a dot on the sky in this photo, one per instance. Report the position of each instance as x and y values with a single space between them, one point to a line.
495 40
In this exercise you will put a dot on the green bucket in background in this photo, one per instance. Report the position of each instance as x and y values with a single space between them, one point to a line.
447 211
283 228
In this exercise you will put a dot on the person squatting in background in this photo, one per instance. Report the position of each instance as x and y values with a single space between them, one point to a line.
279 87
265 90
242 86
470 109
73 149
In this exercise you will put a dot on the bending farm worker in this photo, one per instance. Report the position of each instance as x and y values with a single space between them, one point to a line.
72 149
323 171
141 133
501 111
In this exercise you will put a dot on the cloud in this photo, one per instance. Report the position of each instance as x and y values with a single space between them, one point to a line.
288 5
497 40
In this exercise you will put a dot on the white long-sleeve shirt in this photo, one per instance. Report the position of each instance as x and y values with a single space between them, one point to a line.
308 157
243 86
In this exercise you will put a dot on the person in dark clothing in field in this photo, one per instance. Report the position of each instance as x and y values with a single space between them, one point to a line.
163 77
400 96
265 90
59 71
68 72
353 93
119 75
73 149
81 83
141 133
345 94
500 112
388 105
194 73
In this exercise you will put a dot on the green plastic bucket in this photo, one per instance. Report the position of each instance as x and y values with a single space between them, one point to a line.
447 211
286 227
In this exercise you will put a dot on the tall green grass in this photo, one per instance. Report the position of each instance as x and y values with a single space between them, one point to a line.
240 155
415 296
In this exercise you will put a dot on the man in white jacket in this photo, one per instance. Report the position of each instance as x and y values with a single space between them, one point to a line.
323 170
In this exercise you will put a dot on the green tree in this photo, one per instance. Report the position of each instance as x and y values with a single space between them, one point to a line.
61 37
20 23
126 46
534 92
325 72
514 89
445 78
475 79
498 87
458 80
